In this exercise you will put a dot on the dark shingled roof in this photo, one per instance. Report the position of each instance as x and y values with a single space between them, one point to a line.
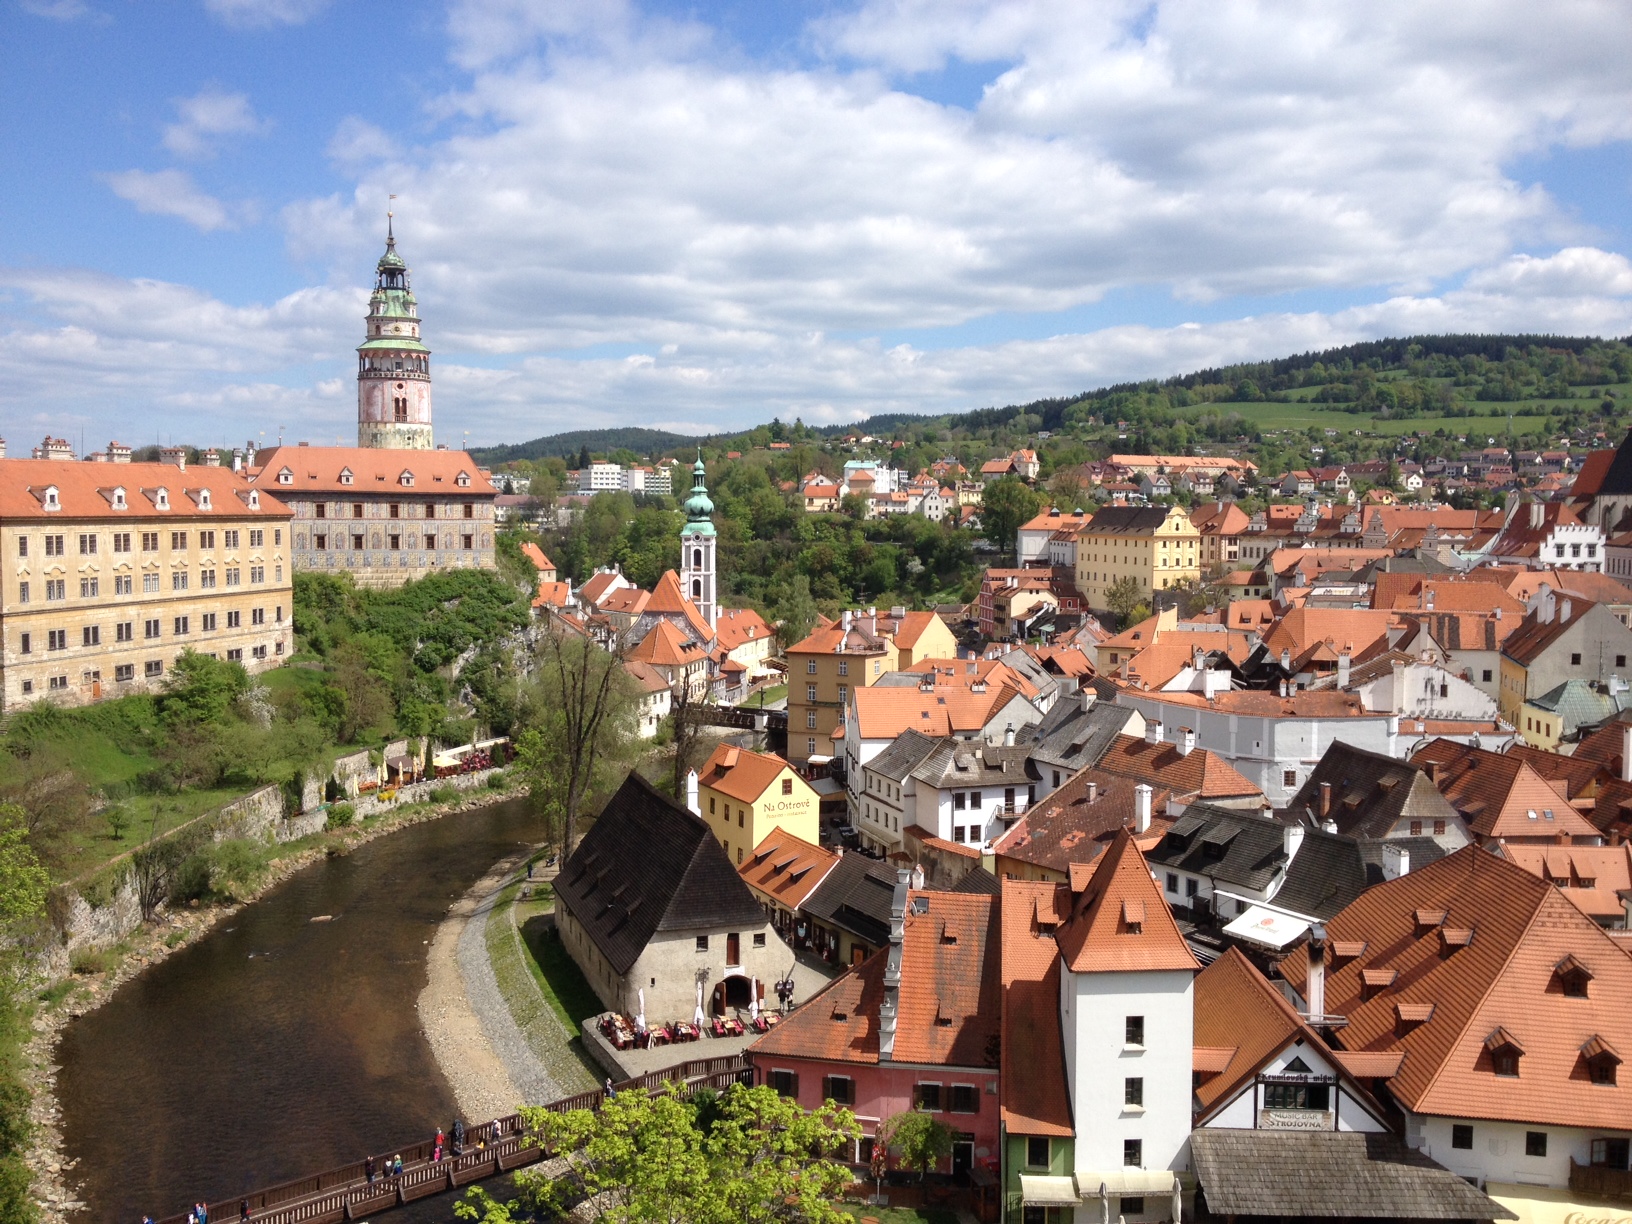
855 896
1326 873
1423 850
1127 520
1617 476
1371 793
1069 738
1223 844
1329 1173
649 865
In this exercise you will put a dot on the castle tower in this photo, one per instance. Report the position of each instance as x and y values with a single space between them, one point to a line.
393 367
697 547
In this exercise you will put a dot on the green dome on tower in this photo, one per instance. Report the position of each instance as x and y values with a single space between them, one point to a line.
699 507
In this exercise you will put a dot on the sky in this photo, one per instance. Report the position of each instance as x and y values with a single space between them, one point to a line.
701 216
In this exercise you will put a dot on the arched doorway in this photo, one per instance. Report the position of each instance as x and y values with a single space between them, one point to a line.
735 992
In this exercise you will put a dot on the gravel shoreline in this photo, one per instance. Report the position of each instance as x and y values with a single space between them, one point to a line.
150 944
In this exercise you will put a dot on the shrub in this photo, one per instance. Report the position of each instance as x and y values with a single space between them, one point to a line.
91 960
495 780
444 794
341 814
236 868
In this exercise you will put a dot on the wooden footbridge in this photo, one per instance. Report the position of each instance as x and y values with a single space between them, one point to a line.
496 1147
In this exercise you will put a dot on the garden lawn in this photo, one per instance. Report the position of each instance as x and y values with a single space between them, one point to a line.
534 1004
556 973
900 1215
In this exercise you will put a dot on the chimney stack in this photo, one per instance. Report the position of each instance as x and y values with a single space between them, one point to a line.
890 1008
1538 514
1343 670
1325 799
917 876
1626 752
1008 736
1187 741
1141 807
692 805
1153 731
1316 992
1089 696
1396 861
1291 840
1093 792
1286 659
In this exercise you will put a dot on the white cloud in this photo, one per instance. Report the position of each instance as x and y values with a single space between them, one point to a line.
356 142
172 193
263 14
1572 272
208 120
57 10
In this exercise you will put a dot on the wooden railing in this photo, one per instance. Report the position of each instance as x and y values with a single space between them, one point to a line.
1600 1181
489 1149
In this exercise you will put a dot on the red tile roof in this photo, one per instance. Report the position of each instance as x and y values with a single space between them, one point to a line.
1501 796
1504 981
1099 938
1201 773
1033 1091
740 773
668 600
950 1008
86 491
319 469
786 868
666 646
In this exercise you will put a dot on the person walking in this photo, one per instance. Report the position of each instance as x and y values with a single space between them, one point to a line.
396 1166
203 1213
243 1210
611 1092
368 1169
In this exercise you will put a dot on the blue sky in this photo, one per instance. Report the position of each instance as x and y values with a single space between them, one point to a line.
704 215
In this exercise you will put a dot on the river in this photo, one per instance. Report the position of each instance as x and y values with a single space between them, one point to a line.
277 1046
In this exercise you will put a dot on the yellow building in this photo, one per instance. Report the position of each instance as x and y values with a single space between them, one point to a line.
1157 546
112 570
745 795
853 653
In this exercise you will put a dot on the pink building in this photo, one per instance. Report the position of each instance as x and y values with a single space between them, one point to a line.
914 1029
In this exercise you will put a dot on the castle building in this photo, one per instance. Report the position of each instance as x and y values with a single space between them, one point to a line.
393 365
697 551
111 574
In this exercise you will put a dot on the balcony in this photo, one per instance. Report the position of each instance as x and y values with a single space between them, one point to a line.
1600 1181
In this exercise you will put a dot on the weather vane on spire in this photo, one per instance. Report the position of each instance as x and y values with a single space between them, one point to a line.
389 214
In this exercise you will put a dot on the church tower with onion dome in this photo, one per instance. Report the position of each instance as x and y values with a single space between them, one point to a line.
697 542
393 366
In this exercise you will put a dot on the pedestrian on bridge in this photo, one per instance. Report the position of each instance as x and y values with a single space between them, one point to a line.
368 1168
396 1166
243 1210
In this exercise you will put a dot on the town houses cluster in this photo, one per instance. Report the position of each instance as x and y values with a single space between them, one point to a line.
1301 890
1307 892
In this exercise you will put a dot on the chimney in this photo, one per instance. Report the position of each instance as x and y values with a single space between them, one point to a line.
918 876
1153 731
1089 696
1428 598
1093 792
1008 736
1343 670
1563 611
1316 992
1537 514
1325 799
1187 741
1199 659
1286 659
1626 752
1291 840
838 850
1498 613
1141 807
1396 861
692 805
844 621
891 1006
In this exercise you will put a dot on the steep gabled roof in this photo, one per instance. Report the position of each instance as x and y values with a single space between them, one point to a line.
1120 921
1033 1093
786 868
667 600
1200 772
666 646
950 1003
1370 793
1499 795
647 865
1512 930
1224 844
740 773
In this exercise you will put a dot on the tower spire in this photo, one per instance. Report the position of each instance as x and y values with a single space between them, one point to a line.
697 546
393 364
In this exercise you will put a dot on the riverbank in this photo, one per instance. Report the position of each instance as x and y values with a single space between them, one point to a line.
153 943
497 1038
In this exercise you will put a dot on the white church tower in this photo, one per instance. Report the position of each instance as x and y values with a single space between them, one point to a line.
393 367
697 543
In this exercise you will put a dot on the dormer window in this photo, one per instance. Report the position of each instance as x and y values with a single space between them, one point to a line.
406 480
254 499
1505 1052
345 476
462 480
285 476
1601 1060
203 499
1573 977
119 502
50 501
161 499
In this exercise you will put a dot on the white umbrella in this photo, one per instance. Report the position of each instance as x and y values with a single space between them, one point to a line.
1178 1201
753 1005
640 1016
698 1018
